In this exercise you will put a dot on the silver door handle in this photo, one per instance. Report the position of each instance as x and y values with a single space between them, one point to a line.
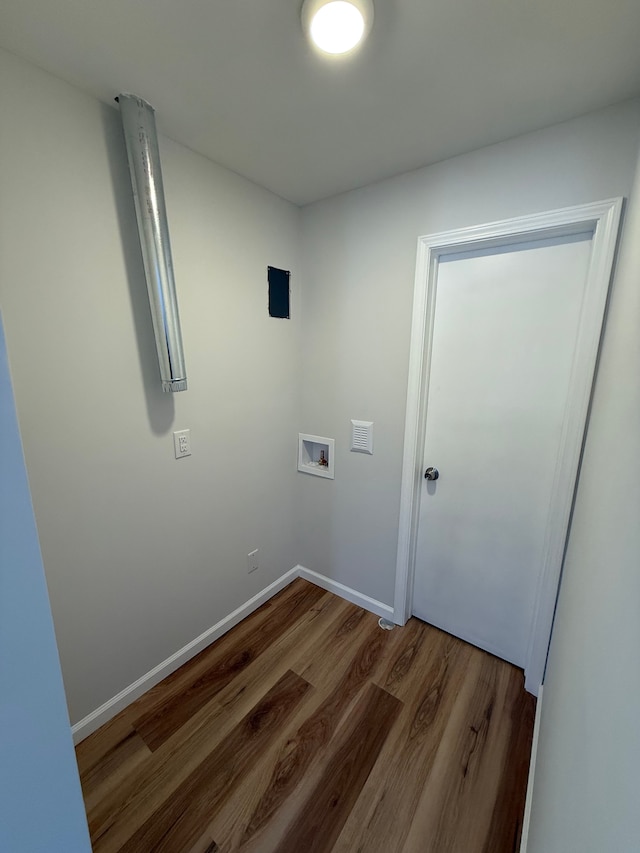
431 474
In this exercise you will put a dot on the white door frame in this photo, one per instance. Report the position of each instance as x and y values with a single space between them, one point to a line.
601 219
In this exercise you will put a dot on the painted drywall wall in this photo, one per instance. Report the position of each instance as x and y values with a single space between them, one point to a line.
41 806
142 552
360 251
585 796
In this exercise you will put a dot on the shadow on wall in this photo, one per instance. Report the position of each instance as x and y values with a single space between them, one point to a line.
160 406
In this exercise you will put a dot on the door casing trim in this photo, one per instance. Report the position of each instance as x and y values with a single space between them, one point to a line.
602 219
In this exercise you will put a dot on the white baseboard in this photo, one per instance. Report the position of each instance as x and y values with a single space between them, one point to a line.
113 706
346 592
532 772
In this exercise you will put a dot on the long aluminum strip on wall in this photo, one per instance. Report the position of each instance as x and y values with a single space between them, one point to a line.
138 120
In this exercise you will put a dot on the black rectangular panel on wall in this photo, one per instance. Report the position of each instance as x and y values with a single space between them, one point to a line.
278 292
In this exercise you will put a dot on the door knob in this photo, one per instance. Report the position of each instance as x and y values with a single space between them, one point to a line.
431 474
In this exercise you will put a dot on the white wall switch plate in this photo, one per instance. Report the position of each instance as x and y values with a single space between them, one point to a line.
182 443
252 561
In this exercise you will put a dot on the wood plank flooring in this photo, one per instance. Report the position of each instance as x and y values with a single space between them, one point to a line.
309 729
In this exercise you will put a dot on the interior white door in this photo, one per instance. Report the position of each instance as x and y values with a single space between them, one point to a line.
505 332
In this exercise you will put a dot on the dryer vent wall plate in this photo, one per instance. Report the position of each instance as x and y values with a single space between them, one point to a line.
362 437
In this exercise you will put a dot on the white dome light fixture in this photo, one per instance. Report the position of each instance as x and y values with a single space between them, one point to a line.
337 26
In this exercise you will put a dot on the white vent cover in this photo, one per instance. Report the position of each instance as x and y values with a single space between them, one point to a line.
362 436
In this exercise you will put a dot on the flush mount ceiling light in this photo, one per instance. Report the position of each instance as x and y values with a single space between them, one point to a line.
337 26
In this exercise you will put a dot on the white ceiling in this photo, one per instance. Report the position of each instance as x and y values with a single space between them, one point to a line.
236 81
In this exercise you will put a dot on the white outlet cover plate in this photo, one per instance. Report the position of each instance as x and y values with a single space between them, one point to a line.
182 443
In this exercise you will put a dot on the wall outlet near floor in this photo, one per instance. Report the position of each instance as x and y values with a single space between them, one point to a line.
182 443
252 561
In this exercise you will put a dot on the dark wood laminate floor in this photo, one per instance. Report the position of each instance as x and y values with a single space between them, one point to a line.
309 729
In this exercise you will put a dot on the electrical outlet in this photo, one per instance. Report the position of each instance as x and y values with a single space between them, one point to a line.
252 561
182 443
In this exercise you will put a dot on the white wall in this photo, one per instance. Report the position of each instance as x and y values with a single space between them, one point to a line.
142 552
585 798
360 251
41 806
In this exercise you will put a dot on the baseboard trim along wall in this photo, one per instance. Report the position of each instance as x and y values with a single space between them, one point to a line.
532 772
113 706
346 592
